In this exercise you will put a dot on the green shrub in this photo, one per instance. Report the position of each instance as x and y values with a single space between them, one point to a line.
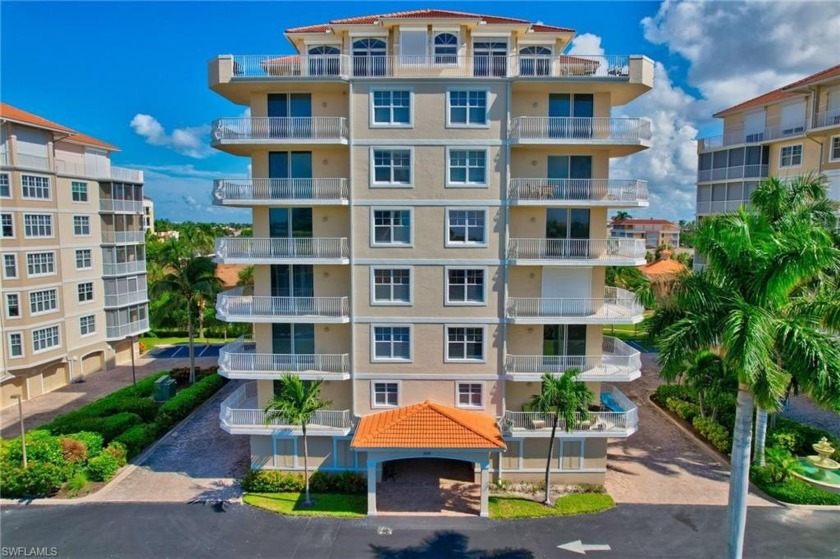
77 483
792 490
93 441
798 438
109 427
119 452
188 399
102 468
271 481
41 446
678 391
41 479
349 482
723 402
685 410
589 488
779 463
718 435
137 438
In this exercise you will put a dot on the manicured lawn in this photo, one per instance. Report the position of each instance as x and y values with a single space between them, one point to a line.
568 505
326 504
152 343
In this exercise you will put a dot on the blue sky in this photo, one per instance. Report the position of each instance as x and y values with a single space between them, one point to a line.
97 65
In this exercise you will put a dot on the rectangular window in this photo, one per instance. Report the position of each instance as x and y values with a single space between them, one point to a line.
466 227
469 395
40 263
37 225
467 167
36 188
85 292
392 343
45 338
791 156
16 345
84 259
43 301
5 189
467 108
10 266
465 286
386 394
391 286
834 155
79 191
391 108
391 227
87 325
464 343
392 166
8 225
12 305
81 225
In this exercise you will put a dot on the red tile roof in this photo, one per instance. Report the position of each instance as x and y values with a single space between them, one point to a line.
827 74
662 268
14 114
428 425
642 222
542 28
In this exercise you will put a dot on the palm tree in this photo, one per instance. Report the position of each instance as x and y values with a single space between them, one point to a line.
737 307
705 373
193 278
295 402
560 396
621 216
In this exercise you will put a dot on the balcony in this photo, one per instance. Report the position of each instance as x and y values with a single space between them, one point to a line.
123 299
107 173
240 415
121 331
123 268
120 206
576 252
238 135
830 117
617 307
289 192
618 362
736 172
618 418
238 305
631 134
611 193
239 360
773 132
123 237
249 250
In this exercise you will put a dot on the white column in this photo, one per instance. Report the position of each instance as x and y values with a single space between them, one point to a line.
485 489
371 496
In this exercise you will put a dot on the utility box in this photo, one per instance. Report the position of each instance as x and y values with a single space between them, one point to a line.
164 389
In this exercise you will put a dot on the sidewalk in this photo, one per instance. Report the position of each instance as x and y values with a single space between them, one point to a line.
45 408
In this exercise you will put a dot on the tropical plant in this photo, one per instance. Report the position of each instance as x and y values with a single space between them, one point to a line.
561 397
621 216
707 375
246 276
294 403
780 463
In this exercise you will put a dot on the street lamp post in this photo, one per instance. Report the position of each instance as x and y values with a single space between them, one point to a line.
133 371
22 430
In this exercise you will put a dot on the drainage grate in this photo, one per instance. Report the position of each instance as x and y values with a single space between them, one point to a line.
384 531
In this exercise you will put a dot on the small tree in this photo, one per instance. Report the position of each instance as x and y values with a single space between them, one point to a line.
565 397
295 403
707 376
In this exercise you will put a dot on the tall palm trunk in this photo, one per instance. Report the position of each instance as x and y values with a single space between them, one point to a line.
192 344
547 500
306 466
739 480
760 436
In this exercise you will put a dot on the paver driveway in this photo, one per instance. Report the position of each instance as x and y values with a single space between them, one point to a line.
428 486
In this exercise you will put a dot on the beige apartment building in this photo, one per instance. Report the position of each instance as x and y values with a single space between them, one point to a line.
430 194
654 232
74 270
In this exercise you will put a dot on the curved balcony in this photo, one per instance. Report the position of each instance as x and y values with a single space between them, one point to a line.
576 252
238 305
610 193
289 192
616 307
250 250
243 133
240 360
618 362
623 135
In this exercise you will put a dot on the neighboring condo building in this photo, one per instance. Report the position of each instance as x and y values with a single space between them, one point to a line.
654 232
148 215
74 269
430 201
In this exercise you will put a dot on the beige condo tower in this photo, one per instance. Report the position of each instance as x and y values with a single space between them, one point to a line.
430 194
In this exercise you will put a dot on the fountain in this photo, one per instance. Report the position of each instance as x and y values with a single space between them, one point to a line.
820 470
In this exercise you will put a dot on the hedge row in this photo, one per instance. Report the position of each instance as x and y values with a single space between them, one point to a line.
273 481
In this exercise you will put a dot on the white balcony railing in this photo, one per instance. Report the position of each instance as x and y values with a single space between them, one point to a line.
237 305
123 236
123 299
272 190
127 175
559 250
618 361
119 268
239 359
737 172
120 331
616 306
41 163
555 190
110 172
123 206
772 132
830 117
250 248
317 128
240 414
581 129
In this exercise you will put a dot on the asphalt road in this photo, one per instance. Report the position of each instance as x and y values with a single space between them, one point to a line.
204 530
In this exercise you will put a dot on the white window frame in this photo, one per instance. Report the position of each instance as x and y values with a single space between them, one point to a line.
73 193
467 184
374 124
831 156
40 274
11 217
791 147
375 359
50 348
91 328
465 244
79 293
5 184
432 47
449 302
13 256
374 302
375 184
410 211
19 305
9 345
468 124
53 299
35 188
458 403
83 225
448 359
89 259
373 402
38 226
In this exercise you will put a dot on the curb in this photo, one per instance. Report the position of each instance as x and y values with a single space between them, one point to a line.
720 458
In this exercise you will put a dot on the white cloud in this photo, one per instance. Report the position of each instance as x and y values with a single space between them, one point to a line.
586 43
190 141
180 196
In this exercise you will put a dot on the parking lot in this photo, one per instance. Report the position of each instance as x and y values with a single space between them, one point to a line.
181 351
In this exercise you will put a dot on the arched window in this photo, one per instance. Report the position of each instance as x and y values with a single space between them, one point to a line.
324 60
446 48
369 57
535 61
